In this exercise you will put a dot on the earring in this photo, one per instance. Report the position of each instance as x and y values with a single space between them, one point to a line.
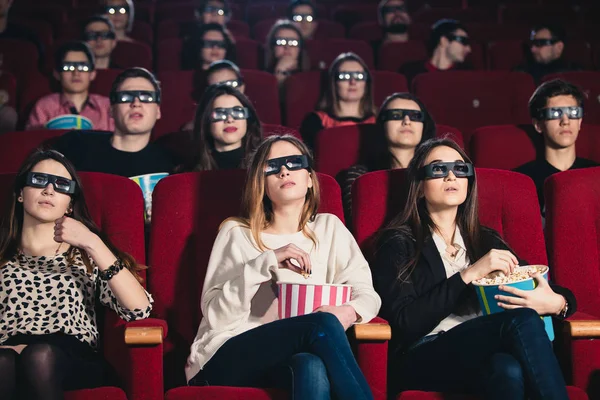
20 199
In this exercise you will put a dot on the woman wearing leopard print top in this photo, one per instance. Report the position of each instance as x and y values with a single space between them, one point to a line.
55 268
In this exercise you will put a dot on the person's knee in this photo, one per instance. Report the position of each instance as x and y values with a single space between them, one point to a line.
507 368
328 323
37 357
8 359
309 364
309 372
526 317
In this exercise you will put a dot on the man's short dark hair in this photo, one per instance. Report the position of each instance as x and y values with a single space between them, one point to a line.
553 88
136 72
99 18
296 3
442 28
557 31
74 46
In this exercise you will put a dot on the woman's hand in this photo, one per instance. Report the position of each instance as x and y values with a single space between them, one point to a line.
345 313
494 260
73 232
542 299
293 258
286 64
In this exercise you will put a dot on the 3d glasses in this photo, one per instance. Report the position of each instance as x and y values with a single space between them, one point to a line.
221 113
113 10
283 41
391 9
558 112
214 10
234 83
209 44
76 66
464 40
129 96
460 169
398 114
542 42
292 163
348 75
95 35
303 17
41 180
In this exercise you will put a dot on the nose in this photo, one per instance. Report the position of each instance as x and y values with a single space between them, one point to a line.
283 171
451 176
136 102
564 119
406 120
230 118
49 189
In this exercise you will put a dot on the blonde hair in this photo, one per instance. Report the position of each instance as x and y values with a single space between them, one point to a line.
257 208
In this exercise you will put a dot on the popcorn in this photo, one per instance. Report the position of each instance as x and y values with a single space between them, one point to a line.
519 274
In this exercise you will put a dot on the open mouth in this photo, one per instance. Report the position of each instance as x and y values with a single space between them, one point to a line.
230 129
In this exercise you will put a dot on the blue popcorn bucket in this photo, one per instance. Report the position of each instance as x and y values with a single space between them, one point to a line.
147 183
70 121
487 292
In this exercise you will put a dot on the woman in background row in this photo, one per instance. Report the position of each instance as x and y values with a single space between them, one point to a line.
121 13
285 51
347 99
207 44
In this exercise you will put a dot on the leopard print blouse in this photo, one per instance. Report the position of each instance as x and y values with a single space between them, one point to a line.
45 295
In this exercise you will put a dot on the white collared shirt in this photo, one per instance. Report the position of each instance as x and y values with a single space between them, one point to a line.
465 311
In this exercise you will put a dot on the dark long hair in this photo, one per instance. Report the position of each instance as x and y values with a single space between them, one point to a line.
270 60
329 100
203 141
12 221
380 156
414 220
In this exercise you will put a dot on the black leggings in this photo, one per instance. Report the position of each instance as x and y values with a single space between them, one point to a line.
44 371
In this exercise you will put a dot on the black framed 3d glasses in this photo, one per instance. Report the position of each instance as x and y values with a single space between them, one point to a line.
283 41
129 96
291 163
76 66
464 40
348 75
460 169
542 42
113 10
95 35
391 9
214 10
557 113
222 113
234 83
60 183
210 44
398 114
303 18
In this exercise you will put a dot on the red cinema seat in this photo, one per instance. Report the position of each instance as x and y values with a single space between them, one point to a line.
572 219
573 392
337 149
393 55
486 32
508 54
510 146
186 215
104 80
247 53
16 146
322 52
385 83
369 31
538 14
137 364
35 86
469 99
8 89
19 57
480 14
168 55
589 82
350 14
132 54
54 14
41 28
170 29
143 32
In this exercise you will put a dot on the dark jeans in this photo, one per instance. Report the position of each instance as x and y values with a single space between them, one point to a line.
308 355
501 356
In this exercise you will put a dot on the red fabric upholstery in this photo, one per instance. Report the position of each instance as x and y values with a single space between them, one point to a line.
132 54
350 14
507 54
171 29
339 148
187 215
105 393
20 57
468 99
181 88
486 32
431 15
41 28
325 30
537 14
16 146
224 393
8 84
32 88
507 203
572 218
510 146
142 31
574 394
322 52
369 31
393 55
104 80
139 368
303 90
590 83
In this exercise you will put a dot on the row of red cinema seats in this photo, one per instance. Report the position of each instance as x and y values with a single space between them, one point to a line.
186 216
462 99
346 14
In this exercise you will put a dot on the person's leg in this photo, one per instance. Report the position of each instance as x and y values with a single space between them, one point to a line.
309 377
262 350
502 378
39 372
454 360
8 375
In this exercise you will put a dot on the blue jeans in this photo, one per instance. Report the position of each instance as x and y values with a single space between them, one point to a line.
308 355
501 356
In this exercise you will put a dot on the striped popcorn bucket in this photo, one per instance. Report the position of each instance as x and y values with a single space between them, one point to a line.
299 298
489 305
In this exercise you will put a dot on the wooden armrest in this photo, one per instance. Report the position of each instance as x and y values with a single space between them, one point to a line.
143 335
372 332
582 328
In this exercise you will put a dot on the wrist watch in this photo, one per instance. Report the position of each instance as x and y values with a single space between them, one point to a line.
565 310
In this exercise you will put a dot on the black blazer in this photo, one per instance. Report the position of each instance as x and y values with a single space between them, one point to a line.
416 306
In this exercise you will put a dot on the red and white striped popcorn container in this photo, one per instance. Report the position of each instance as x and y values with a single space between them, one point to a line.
300 298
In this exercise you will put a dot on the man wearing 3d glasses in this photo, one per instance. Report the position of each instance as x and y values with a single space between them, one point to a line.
449 45
546 45
75 71
556 110
394 20
304 15
135 106
99 34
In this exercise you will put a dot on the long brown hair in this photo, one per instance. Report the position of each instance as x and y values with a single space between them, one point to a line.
270 60
330 100
12 220
414 220
203 141
257 208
